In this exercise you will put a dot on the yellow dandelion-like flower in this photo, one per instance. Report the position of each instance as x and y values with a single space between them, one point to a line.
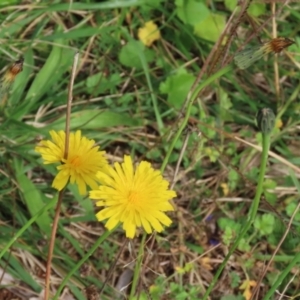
83 162
149 33
135 197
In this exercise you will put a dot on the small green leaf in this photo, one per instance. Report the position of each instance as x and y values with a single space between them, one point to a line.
191 11
271 196
177 87
225 105
211 27
244 245
212 153
129 55
233 178
290 209
235 279
230 4
265 224
228 236
256 9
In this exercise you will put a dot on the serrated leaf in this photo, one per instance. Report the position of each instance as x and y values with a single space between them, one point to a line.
264 224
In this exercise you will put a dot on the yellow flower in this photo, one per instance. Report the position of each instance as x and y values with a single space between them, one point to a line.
246 286
135 197
225 188
83 162
149 33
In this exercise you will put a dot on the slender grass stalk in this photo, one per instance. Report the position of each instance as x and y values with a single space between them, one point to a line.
266 127
188 110
52 244
282 275
266 268
82 261
49 205
296 258
137 269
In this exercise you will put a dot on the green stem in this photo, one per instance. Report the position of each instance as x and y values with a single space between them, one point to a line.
27 225
189 108
137 268
252 212
84 258
282 275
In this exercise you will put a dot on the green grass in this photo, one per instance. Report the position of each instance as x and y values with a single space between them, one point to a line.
128 97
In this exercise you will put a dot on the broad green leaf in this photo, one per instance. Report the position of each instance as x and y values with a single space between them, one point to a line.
47 74
192 11
46 80
231 4
256 9
210 28
95 119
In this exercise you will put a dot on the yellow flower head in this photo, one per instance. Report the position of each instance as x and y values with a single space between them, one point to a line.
149 33
135 197
83 162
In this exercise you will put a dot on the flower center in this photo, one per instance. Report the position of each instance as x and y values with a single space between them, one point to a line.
75 161
133 197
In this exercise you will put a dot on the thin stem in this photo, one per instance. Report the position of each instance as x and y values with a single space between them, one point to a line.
251 215
51 246
137 268
69 103
60 196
